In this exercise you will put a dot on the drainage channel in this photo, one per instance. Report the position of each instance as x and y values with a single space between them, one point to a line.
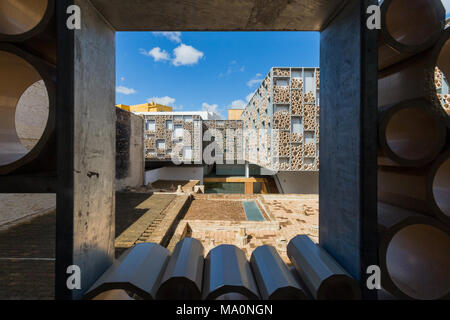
252 211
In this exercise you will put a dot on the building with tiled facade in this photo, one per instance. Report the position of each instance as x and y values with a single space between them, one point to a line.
442 89
286 105
278 129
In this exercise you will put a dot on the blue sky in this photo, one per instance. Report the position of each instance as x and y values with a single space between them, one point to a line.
446 4
212 71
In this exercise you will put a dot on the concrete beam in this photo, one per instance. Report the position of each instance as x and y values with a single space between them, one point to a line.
348 148
183 15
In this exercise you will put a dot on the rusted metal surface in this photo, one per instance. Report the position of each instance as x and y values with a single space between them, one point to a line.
32 24
23 19
275 281
414 78
228 271
410 134
414 254
407 28
183 277
323 276
138 270
18 71
425 189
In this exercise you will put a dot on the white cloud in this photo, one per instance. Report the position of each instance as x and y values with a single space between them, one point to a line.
125 90
157 54
238 104
213 109
186 55
446 4
257 79
167 101
249 96
233 66
172 36
210 107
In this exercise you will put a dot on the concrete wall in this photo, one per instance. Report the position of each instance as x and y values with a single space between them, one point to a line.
130 161
298 182
95 145
174 173
348 149
86 146
32 114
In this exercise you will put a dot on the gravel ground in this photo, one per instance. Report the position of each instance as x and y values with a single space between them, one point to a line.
216 210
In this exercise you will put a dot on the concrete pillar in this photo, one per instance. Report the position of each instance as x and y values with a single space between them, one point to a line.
247 170
348 146
86 148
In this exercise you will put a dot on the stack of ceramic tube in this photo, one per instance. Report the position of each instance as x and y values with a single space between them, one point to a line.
413 159
27 56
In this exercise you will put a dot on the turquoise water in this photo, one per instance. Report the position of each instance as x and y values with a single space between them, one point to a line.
252 211
224 187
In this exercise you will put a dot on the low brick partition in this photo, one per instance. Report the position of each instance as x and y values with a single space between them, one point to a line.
156 204
172 216
289 216
223 196
218 225
189 187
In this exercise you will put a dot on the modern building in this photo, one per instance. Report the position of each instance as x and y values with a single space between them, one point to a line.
286 106
276 133
442 89
235 114
167 133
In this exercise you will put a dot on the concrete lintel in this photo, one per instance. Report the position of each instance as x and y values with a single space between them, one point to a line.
219 15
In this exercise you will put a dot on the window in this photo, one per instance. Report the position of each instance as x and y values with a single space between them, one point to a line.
296 125
160 144
169 124
150 125
187 153
283 83
178 131
281 108
188 118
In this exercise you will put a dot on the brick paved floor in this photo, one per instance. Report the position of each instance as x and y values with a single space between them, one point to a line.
17 208
27 253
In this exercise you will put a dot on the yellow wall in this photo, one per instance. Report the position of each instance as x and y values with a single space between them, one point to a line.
234 114
146 107
123 106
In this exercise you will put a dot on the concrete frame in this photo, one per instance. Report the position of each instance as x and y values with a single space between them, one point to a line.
85 122
348 149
